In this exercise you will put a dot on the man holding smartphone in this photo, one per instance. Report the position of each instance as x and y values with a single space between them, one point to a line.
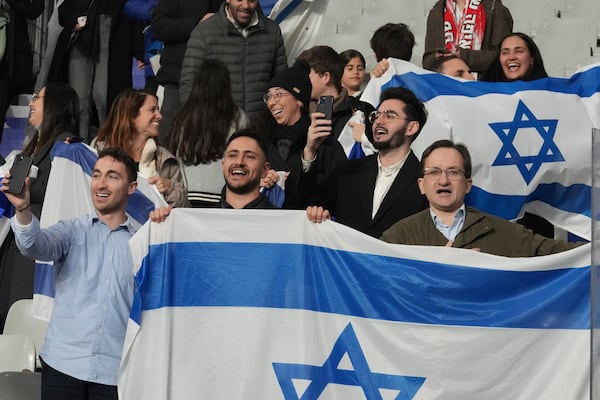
373 192
326 70
94 283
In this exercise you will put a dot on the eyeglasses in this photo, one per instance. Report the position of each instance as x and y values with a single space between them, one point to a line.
35 97
388 115
435 173
275 96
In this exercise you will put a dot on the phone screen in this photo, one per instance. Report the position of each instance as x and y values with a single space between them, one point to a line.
18 172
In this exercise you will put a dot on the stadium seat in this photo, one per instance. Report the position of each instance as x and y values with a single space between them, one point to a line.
17 353
20 321
20 385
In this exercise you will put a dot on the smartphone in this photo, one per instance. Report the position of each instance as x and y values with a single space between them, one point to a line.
325 106
18 172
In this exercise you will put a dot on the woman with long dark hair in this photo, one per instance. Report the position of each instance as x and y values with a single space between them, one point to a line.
132 124
201 129
519 58
54 112
354 71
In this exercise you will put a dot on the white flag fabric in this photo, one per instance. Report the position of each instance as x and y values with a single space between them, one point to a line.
299 21
281 308
68 196
530 141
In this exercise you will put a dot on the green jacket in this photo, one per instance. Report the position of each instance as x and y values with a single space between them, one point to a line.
482 231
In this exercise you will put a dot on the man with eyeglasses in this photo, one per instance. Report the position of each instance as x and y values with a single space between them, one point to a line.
371 193
446 179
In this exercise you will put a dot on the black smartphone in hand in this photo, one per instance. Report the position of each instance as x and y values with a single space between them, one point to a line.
18 172
325 106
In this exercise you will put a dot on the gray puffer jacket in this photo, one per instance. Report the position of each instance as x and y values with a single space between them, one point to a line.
252 60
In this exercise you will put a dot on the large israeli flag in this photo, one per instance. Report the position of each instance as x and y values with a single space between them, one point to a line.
530 141
262 304
68 196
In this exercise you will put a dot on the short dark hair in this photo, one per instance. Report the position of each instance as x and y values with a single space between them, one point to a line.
449 144
120 155
393 40
325 59
437 65
252 135
413 107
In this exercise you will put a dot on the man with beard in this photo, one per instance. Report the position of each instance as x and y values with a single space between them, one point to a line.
244 165
249 43
372 193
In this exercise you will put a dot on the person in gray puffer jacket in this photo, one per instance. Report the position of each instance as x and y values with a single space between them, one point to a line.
249 43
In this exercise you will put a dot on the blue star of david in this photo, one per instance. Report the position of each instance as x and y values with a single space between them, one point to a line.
528 165
320 377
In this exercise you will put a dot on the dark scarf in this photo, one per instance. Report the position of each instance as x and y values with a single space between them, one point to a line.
290 139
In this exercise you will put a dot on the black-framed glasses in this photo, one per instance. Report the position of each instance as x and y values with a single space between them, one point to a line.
388 115
36 96
275 96
435 173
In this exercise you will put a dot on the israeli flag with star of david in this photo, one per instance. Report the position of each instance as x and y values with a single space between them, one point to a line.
263 304
68 196
530 141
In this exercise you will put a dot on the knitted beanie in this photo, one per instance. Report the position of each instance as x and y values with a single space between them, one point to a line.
296 81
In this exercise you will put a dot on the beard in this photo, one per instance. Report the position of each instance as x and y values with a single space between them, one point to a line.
251 186
395 141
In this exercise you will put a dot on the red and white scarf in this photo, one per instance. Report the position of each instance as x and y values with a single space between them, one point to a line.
468 31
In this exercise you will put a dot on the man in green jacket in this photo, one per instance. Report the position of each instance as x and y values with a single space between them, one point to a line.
446 179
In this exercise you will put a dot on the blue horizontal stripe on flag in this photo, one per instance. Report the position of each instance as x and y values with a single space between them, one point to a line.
429 86
574 199
286 11
295 276
43 282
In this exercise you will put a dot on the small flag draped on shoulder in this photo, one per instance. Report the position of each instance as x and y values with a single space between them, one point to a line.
68 196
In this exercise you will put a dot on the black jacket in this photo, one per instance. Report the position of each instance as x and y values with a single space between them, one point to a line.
252 60
348 194
173 22
126 41
17 64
